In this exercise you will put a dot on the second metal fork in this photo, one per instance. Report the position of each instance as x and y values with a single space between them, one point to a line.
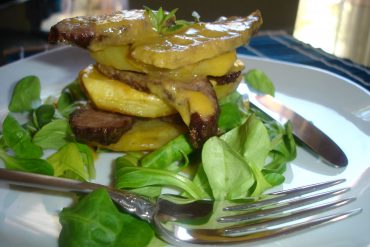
178 220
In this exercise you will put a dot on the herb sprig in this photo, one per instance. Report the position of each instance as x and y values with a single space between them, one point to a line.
165 22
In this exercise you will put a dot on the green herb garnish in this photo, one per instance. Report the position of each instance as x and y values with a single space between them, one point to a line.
165 22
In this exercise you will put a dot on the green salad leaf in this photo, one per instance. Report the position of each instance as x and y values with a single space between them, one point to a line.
70 98
258 80
26 165
232 112
233 163
283 151
19 140
175 150
129 175
43 115
26 94
53 135
95 221
2 142
251 140
87 156
228 173
69 162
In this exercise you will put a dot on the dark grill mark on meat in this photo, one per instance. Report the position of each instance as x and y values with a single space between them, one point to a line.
228 78
90 125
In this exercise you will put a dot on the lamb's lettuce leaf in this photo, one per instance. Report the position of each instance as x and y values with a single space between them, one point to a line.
70 98
251 140
233 162
26 165
53 135
43 115
70 162
26 94
176 150
247 160
129 175
95 221
19 140
228 173
232 112
259 81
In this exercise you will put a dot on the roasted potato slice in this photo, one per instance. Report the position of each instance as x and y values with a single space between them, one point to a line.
115 96
198 42
119 57
147 135
96 32
190 45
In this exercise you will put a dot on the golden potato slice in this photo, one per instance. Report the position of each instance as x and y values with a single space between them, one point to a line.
119 57
115 96
198 42
96 32
147 135
190 45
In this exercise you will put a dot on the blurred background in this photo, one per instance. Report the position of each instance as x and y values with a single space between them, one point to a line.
339 27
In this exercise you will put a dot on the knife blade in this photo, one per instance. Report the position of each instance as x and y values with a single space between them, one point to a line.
303 129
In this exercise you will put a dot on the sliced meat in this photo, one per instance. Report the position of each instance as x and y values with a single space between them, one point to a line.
90 125
195 100
226 79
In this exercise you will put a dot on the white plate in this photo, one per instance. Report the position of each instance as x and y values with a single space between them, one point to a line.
337 106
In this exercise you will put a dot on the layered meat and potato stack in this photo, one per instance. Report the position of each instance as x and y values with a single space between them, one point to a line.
147 87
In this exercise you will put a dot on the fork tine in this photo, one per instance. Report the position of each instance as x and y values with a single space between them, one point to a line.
285 195
225 236
280 207
267 222
295 226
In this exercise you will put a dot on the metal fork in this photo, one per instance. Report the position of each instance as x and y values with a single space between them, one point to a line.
178 220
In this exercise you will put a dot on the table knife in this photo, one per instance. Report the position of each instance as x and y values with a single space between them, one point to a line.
303 129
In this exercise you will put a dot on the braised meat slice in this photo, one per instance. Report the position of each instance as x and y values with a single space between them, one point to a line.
91 125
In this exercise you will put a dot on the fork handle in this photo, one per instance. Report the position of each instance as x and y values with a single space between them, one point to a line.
130 202
46 182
